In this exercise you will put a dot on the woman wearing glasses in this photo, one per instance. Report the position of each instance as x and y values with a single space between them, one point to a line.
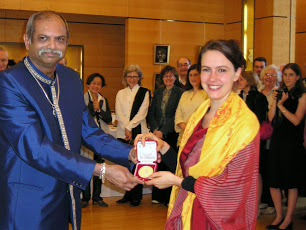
131 108
161 120
271 76
286 158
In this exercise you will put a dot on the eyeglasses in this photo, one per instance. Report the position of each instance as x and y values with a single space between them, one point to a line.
132 77
270 75
181 65
168 76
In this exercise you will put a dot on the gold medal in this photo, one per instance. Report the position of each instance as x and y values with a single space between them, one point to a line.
145 171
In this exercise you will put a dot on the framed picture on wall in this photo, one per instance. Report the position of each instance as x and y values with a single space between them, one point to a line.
157 81
161 54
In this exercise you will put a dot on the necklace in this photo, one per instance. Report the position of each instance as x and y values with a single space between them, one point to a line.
37 77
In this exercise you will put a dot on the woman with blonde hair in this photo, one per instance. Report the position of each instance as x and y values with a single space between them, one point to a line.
132 104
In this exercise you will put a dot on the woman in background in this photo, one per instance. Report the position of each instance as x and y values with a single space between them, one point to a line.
190 101
271 77
161 120
99 110
287 154
258 104
132 104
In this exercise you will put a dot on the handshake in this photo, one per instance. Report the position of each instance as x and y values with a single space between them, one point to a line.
144 155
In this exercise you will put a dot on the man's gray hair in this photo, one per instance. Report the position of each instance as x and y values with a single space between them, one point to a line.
40 16
2 48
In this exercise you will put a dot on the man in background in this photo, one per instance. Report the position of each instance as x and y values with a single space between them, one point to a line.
183 65
258 65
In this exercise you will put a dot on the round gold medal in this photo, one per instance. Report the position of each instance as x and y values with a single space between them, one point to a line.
145 171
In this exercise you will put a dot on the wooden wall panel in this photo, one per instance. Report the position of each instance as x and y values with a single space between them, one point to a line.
96 7
263 8
141 35
10 4
300 16
301 52
281 41
213 31
283 7
263 38
196 10
185 39
232 11
233 31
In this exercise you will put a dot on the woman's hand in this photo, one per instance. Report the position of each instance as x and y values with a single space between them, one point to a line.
164 179
96 105
162 146
158 133
283 99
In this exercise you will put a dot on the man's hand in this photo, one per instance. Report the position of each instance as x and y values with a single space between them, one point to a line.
121 177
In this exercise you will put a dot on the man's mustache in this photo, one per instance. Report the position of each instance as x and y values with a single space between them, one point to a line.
60 53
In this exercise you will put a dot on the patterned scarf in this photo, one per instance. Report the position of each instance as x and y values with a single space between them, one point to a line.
227 134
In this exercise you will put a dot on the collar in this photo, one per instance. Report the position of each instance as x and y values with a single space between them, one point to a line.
37 73
136 87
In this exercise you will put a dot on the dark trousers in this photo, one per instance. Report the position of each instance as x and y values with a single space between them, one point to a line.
97 183
163 195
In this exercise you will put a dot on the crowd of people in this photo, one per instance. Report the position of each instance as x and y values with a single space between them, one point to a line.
217 169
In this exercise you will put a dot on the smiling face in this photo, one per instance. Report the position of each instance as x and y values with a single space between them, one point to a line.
3 60
217 75
169 79
48 44
270 78
183 66
194 78
290 78
132 79
95 85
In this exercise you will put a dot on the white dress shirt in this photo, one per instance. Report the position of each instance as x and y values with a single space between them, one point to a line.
123 108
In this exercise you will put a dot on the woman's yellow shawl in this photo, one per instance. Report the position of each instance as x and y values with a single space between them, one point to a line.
233 127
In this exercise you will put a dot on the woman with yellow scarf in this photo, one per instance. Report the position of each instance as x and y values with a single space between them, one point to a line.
215 182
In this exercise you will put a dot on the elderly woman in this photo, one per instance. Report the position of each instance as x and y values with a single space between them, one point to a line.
131 108
271 76
190 101
100 111
161 119
286 158
215 183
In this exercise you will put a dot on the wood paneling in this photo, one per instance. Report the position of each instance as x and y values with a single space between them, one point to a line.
232 11
281 41
301 52
263 38
263 8
300 16
10 4
283 7
213 31
196 10
233 31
